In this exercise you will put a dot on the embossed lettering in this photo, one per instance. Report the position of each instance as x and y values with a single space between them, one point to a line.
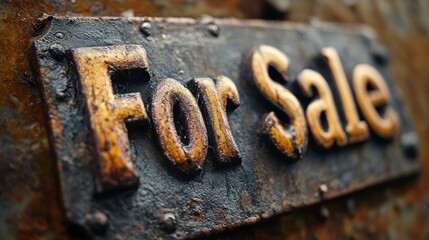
356 129
385 125
290 140
188 153
324 104
214 95
107 113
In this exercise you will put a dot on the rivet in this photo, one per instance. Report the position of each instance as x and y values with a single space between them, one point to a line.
324 212
351 207
323 189
350 3
98 222
57 51
214 29
410 144
169 222
379 53
145 28
59 35
61 94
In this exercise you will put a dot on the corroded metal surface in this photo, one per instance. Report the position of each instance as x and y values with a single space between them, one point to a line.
29 208
166 204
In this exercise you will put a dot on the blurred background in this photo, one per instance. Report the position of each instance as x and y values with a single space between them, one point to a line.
29 203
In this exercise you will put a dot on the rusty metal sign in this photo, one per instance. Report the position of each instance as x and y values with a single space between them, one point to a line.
177 128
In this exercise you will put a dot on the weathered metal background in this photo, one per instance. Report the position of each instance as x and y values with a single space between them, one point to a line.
29 206
264 184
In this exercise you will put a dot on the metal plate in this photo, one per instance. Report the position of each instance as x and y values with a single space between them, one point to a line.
166 204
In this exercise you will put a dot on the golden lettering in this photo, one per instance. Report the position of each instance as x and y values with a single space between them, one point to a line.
107 112
356 129
325 104
363 76
186 157
290 140
214 95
